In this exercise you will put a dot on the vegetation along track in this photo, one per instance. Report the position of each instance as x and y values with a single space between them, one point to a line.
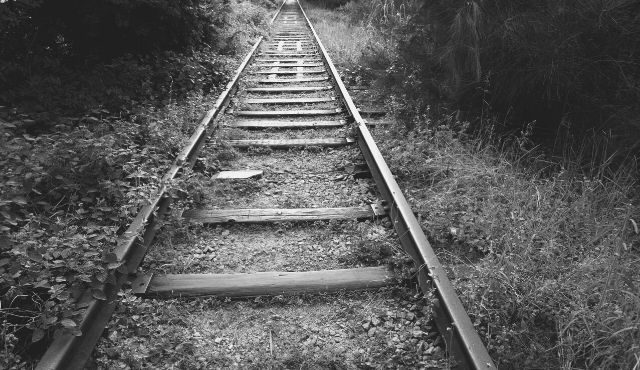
290 114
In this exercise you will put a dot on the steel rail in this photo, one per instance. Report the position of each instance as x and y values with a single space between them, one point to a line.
72 352
455 326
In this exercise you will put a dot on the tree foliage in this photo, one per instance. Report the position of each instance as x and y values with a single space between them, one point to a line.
544 61
107 28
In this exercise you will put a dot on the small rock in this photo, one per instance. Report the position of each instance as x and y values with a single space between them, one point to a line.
225 232
366 325
375 321
111 353
391 314
371 332
218 340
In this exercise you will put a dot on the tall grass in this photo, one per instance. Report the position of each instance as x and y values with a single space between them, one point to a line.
352 44
550 251
543 249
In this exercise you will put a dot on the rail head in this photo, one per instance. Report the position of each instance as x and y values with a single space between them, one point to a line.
72 352
451 317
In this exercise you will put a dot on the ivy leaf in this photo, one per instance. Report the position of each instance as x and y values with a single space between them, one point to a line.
114 265
110 258
38 334
19 199
68 323
99 294
33 255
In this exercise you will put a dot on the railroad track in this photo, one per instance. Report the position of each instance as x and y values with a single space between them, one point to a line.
287 108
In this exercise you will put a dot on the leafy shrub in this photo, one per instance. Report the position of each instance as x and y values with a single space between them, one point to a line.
87 138
64 199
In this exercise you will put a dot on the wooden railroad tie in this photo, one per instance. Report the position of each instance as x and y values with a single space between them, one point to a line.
291 80
293 61
264 124
289 100
292 89
266 215
294 112
278 72
289 65
262 283
292 143
281 54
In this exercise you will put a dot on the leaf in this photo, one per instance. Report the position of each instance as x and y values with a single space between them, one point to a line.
110 258
5 242
68 323
38 334
114 265
43 284
19 199
98 294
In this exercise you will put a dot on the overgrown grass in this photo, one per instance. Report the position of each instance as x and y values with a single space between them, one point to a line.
358 50
554 285
541 249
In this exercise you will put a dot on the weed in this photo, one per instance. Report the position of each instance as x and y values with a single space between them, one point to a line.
556 247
